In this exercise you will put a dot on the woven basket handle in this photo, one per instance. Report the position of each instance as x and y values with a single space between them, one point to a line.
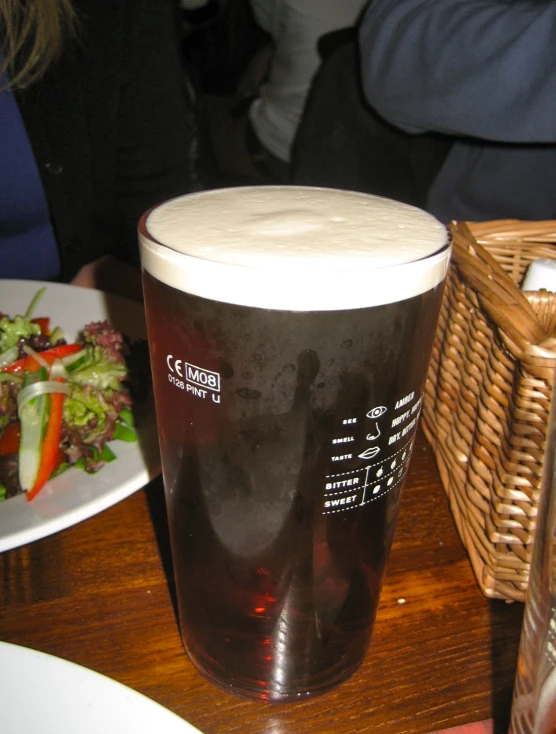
515 230
497 292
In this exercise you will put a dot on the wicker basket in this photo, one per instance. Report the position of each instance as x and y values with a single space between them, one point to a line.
488 395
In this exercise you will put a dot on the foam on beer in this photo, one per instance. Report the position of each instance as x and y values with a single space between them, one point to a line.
294 248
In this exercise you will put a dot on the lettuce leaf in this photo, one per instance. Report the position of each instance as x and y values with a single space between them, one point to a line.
12 330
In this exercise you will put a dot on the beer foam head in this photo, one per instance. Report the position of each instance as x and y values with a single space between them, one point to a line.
294 248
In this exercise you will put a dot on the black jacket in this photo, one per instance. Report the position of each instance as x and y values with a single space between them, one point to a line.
111 128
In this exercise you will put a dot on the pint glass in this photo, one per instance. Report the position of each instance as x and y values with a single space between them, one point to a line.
290 331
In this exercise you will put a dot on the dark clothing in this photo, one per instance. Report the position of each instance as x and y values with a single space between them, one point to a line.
110 128
27 243
342 143
481 73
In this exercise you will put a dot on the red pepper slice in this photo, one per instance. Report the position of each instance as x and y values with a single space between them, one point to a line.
30 364
60 459
9 441
50 444
44 323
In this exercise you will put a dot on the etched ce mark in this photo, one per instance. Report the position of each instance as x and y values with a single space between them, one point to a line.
174 365
373 414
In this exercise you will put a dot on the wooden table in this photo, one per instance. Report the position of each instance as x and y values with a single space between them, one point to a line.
100 594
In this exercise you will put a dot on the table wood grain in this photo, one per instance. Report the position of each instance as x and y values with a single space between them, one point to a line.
101 594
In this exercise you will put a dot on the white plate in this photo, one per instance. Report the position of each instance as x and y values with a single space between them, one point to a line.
76 495
43 693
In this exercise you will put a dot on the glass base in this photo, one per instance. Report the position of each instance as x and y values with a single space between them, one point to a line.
275 692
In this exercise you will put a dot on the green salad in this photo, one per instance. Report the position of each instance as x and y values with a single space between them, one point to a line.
60 403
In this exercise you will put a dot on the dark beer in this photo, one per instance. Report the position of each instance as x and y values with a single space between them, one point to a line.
285 439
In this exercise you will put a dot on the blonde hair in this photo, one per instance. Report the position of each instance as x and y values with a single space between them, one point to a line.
32 34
